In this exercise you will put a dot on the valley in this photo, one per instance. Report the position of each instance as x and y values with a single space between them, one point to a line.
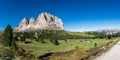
46 39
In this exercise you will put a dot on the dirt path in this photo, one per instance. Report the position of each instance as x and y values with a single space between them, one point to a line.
113 54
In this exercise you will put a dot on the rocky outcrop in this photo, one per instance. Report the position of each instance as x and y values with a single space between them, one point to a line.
44 21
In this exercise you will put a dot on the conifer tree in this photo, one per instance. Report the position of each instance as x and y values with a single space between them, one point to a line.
13 46
56 42
7 36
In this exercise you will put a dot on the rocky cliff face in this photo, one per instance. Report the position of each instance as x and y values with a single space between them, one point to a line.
44 21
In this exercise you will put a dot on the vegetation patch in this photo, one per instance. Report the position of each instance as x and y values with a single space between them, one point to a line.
53 44
38 48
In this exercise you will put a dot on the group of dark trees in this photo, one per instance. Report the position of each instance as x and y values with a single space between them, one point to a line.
50 35
9 45
7 39
55 35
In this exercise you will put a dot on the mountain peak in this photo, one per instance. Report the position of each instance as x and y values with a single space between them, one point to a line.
44 21
24 20
32 21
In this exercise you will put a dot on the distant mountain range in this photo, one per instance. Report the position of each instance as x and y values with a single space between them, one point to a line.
109 31
44 21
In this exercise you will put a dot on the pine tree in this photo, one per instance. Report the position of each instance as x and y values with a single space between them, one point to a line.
7 36
55 41
13 46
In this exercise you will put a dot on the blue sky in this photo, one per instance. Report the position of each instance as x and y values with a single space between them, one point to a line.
77 15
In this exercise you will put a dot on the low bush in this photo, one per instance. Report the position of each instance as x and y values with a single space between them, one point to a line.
6 54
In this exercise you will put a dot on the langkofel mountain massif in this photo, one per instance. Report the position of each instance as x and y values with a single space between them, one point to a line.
44 21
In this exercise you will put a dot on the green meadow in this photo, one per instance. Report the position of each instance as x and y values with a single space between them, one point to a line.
38 48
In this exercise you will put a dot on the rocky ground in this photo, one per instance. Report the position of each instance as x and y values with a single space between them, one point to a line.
113 54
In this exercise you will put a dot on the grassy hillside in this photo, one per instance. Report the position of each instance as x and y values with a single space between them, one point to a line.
38 48
83 34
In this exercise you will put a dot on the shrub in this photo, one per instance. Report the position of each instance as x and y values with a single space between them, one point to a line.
56 42
77 47
95 45
22 38
6 54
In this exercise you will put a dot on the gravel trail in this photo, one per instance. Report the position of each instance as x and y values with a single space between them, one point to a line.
113 54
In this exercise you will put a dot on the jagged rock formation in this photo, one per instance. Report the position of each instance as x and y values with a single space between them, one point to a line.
44 21
32 21
23 24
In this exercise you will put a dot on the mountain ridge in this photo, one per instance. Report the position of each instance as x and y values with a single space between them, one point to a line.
44 21
108 31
